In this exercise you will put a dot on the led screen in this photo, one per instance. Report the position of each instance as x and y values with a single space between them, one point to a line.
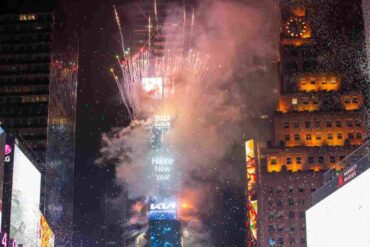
343 218
25 214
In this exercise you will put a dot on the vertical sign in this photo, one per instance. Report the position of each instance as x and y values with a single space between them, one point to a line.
251 191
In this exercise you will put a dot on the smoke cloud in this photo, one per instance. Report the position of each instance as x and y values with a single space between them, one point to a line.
239 42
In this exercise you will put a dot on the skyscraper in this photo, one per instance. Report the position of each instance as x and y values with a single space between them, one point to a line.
38 87
320 115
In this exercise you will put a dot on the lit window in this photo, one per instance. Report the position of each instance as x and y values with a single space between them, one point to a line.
294 101
332 80
332 159
323 80
29 17
308 137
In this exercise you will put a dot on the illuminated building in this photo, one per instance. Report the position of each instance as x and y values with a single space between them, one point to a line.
38 88
320 114
341 205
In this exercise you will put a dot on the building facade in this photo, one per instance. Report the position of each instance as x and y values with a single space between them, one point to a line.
320 116
38 87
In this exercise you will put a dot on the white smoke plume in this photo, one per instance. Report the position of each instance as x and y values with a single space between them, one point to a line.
238 41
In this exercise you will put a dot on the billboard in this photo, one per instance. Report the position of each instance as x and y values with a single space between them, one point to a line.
153 87
165 233
343 218
164 209
46 234
25 200
252 204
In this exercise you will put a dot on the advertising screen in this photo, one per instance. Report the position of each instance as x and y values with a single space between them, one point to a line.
25 201
165 233
47 235
343 218
251 188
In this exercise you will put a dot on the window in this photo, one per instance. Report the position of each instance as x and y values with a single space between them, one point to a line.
313 82
279 190
302 215
300 202
307 124
358 136
350 135
296 125
292 228
280 229
292 241
318 137
303 228
299 160
291 190
312 189
303 240
271 242
339 123
332 159
349 123
291 214
286 125
311 160
332 80
305 101
320 159
269 202
273 161
341 157
328 124
317 124
330 136
339 136
279 203
281 241
301 190
358 123
308 137
296 137
294 101
271 228
270 190
355 100
347 101
287 137
271 215
291 201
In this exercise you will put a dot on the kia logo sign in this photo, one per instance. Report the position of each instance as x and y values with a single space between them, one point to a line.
163 206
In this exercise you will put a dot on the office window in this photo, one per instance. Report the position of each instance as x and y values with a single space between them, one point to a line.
328 124
271 228
307 124
287 137
296 125
294 101
291 201
296 137
299 160
292 228
311 160
291 214
330 136
286 125
338 123
271 242
308 137
321 159
339 136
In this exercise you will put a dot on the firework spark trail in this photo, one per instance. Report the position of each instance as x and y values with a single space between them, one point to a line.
155 13
119 27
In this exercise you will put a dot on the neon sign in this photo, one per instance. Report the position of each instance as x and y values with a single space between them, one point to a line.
251 188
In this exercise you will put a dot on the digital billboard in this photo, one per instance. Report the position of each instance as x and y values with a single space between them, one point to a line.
164 209
25 200
153 87
165 233
252 204
46 234
342 219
